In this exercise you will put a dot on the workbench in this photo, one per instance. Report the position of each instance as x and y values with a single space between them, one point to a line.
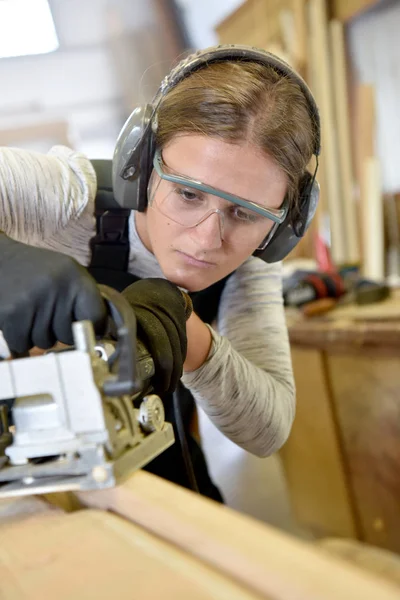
342 459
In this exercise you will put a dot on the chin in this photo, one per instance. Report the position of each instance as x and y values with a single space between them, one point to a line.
189 281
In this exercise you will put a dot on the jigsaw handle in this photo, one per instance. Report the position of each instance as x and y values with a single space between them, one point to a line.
123 317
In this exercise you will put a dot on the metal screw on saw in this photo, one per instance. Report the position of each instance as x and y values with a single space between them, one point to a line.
99 474
28 480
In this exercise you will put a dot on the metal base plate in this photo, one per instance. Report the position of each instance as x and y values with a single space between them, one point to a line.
58 477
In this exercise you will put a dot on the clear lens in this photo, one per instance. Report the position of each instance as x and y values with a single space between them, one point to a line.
189 207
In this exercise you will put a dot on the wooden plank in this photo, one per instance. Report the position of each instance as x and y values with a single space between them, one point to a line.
344 10
312 455
299 11
350 336
373 227
293 33
255 23
364 146
94 555
322 88
237 25
344 139
366 396
364 123
261 558
356 328
24 507
379 561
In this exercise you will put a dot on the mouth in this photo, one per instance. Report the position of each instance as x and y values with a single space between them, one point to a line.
196 262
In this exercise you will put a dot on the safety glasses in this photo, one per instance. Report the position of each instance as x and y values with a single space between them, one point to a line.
277 215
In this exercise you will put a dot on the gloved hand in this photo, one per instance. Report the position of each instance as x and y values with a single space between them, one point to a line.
41 293
161 312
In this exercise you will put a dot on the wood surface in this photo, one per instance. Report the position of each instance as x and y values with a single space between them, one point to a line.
372 225
367 401
166 542
266 25
271 563
312 456
321 68
341 100
300 21
345 10
369 328
93 555
382 562
252 18
364 148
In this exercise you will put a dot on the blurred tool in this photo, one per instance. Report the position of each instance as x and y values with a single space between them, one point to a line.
368 292
303 287
318 307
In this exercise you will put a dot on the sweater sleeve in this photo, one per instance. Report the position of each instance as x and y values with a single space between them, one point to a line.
246 386
41 193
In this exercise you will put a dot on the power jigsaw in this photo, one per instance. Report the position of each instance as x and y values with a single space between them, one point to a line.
84 417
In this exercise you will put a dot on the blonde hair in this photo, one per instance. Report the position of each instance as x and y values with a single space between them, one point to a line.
243 101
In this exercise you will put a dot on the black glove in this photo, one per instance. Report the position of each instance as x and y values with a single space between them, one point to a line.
41 293
161 312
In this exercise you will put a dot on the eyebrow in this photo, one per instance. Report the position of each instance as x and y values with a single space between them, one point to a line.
277 215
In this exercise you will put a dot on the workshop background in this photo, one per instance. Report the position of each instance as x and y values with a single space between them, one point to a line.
71 73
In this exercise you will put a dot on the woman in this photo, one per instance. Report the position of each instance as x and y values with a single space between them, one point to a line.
223 156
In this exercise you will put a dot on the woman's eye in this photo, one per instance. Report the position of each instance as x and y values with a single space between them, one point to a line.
187 195
245 216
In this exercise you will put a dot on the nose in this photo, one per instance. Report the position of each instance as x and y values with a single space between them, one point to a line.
209 233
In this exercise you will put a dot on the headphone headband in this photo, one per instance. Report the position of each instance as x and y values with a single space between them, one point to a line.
236 52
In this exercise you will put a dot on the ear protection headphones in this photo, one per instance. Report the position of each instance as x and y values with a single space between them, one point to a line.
135 148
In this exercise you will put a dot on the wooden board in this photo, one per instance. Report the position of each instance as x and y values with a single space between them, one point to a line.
341 96
382 562
260 558
349 9
367 400
166 542
364 146
276 25
92 555
387 310
251 18
321 77
312 456
373 227
351 328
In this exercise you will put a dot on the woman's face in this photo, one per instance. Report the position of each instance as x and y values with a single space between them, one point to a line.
196 257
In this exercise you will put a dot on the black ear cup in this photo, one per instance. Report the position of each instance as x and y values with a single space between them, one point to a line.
288 234
146 167
132 160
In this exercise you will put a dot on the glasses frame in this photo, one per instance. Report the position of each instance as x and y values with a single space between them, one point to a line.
277 215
